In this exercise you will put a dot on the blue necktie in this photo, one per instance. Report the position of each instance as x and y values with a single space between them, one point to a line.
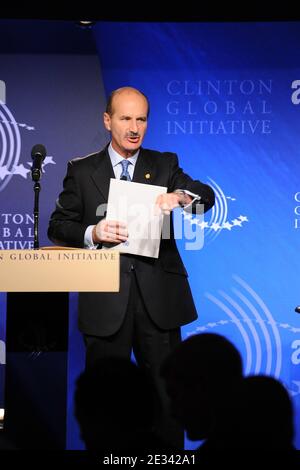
125 174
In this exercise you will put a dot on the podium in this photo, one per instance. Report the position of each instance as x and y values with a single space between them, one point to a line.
38 283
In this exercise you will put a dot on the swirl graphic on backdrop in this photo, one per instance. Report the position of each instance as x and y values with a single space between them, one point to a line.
219 215
10 144
10 141
10 150
259 332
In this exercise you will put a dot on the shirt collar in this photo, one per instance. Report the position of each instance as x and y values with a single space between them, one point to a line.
116 158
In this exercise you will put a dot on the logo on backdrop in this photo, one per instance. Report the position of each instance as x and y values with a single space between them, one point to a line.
259 331
297 210
10 144
219 220
219 106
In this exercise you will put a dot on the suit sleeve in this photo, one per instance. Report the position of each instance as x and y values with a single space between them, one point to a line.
66 227
180 180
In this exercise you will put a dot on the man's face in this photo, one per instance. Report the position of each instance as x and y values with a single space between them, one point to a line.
128 122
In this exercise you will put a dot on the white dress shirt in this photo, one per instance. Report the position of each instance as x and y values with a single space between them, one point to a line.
115 159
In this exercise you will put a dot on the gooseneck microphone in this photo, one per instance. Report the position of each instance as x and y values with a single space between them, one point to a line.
38 154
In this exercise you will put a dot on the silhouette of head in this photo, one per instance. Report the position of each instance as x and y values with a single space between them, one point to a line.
260 415
114 404
199 374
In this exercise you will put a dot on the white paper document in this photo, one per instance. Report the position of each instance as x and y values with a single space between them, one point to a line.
134 204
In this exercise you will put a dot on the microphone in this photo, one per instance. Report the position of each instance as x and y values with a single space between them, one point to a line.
38 154
297 309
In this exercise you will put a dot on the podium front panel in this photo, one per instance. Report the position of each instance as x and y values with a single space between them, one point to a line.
59 270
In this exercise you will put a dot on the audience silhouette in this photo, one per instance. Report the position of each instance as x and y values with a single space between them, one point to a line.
200 375
258 416
116 402
214 402
115 405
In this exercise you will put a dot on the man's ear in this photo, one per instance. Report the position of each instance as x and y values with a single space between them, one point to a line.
107 121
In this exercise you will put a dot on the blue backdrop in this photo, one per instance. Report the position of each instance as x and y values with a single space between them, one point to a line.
226 98
55 98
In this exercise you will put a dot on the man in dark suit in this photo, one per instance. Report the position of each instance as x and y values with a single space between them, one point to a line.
155 297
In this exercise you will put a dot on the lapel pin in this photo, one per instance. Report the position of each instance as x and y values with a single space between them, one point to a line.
147 176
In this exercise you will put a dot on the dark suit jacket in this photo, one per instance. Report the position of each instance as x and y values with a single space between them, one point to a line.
163 281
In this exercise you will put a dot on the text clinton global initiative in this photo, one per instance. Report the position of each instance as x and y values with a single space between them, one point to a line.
49 256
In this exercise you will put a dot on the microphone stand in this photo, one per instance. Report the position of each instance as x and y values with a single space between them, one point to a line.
36 188
38 154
